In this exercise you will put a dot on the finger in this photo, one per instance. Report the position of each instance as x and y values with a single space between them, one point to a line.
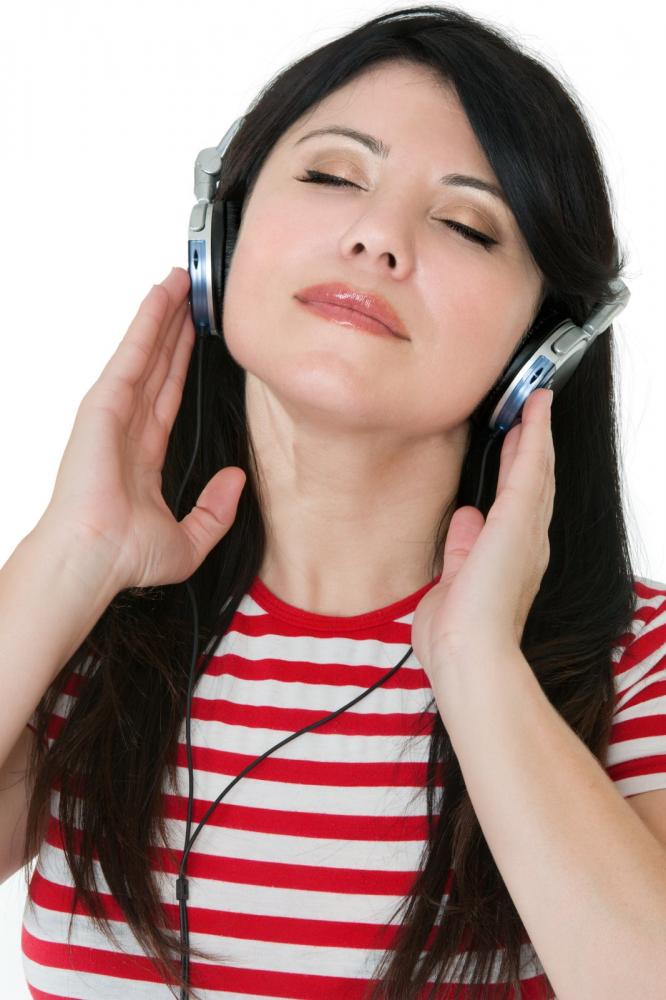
177 285
531 466
152 382
214 512
507 455
168 399
464 528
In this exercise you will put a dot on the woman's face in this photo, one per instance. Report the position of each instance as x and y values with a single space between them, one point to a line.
464 307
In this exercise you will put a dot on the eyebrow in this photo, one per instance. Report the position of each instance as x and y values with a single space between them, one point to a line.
380 149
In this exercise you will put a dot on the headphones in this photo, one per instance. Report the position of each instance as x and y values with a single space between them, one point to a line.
548 361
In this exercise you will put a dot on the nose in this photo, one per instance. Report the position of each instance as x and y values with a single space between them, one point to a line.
377 239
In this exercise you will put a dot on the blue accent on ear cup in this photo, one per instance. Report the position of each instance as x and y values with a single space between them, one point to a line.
538 375
197 264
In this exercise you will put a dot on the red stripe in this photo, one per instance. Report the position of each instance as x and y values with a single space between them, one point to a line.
86 959
638 728
290 720
637 768
644 590
289 876
389 774
303 986
653 689
644 644
274 874
299 824
643 614
301 671
203 920
398 633
336 826
41 995
306 672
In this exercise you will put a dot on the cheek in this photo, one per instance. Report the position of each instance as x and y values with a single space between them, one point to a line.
240 311
472 341
268 237
276 253
247 293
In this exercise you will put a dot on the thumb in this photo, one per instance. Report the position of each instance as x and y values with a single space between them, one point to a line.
464 528
214 512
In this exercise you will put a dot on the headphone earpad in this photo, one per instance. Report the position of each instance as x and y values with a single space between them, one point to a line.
223 235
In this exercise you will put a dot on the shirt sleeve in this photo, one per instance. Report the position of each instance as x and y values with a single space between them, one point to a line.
636 759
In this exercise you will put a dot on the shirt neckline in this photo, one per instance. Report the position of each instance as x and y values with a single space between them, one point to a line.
274 605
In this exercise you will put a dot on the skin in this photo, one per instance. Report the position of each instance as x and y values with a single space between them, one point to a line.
360 439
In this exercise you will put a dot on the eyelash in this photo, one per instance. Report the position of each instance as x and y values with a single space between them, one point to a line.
318 177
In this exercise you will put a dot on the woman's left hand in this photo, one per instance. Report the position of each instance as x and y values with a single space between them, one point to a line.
493 567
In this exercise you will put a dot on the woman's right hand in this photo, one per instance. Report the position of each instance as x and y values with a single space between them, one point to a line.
108 489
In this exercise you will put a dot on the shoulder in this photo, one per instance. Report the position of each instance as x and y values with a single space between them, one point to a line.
636 753
640 656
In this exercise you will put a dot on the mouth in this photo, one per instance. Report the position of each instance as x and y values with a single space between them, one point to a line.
349 303
345 316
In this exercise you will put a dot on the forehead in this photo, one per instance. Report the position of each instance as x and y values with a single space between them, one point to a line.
389 94
399 77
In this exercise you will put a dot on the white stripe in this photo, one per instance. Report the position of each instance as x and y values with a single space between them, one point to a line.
656 621
91 986
641 783
313 649
359 855
641 679
641 746
323 698
643 709
317 745
292 695
329 800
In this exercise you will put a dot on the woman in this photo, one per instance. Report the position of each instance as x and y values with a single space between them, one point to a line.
354 858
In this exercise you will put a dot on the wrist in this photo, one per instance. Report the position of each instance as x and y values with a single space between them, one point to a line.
77 555
457 673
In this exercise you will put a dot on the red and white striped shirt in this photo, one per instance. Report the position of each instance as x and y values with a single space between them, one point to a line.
295 875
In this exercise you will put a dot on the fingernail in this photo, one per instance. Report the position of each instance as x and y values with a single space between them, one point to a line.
550 397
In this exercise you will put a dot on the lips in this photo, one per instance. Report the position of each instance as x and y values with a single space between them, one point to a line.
337 294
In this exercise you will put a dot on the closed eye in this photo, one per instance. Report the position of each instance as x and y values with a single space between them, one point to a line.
318 177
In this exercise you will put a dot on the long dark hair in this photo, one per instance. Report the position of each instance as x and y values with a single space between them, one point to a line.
122 733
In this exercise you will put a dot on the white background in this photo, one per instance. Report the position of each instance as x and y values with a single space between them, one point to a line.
103 110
